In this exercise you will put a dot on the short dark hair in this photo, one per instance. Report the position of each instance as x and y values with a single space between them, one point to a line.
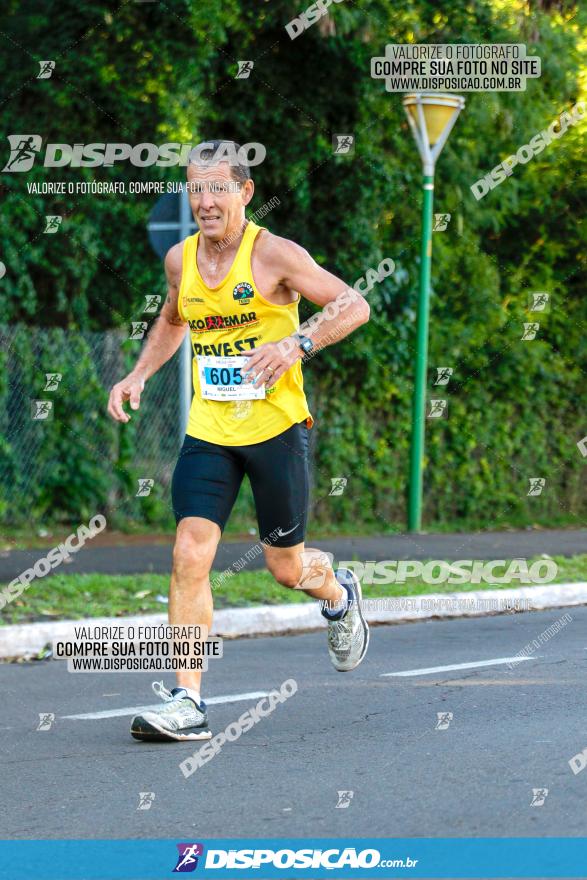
239 172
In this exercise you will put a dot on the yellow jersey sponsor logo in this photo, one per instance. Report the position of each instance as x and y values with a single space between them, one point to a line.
225 349
222 322
243 293
191 299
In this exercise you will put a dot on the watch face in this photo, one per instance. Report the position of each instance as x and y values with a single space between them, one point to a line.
306 344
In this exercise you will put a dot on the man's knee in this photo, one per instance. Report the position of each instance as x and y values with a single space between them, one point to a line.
285 573
192 557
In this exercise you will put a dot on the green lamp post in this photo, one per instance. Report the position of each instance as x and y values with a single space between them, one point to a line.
431 117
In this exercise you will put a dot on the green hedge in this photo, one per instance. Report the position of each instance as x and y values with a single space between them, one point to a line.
515 407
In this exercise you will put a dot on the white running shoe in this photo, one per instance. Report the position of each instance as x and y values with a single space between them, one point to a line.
348 637
179 719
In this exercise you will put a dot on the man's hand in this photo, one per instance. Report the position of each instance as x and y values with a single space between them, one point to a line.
129 389
270 361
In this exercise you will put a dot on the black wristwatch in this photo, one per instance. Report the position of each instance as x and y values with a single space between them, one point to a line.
304 342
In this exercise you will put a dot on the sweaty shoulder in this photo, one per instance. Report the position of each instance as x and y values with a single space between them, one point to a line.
174 263
279 253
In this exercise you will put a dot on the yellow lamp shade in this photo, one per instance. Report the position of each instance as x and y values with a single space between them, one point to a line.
437 109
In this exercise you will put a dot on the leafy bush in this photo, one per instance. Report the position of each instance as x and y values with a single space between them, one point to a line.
514 406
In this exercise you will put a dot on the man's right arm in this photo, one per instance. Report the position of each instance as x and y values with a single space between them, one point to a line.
165 337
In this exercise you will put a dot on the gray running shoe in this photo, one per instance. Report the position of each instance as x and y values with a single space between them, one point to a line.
179 719
348 637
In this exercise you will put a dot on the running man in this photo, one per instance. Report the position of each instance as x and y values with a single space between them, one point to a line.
238 286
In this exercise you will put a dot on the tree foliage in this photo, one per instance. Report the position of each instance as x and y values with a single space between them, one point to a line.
157 72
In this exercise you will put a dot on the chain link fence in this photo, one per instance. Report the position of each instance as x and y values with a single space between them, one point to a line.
61 456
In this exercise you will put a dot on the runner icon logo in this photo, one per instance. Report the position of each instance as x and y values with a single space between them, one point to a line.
188 857
47 68
23 151
444 719
53 380
315 567
338 485
146 799
539 796
46 719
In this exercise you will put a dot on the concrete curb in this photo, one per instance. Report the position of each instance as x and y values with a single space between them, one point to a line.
26 640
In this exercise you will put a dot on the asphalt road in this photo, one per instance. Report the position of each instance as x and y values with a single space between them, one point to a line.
146 558
512 731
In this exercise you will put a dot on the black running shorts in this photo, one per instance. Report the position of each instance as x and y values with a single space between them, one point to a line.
207 479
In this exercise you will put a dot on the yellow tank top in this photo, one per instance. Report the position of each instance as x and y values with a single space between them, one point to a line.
225 321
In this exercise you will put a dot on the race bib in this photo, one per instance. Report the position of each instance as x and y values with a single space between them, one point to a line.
221 379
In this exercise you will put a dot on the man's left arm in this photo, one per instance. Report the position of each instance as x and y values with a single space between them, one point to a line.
343 310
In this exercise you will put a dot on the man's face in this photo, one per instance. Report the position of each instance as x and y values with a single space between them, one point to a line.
216 199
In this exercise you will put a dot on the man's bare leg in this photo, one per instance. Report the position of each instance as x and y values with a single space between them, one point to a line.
339 594
303 568
184 716
190 596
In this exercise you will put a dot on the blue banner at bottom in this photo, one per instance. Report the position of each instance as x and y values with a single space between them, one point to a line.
291 858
